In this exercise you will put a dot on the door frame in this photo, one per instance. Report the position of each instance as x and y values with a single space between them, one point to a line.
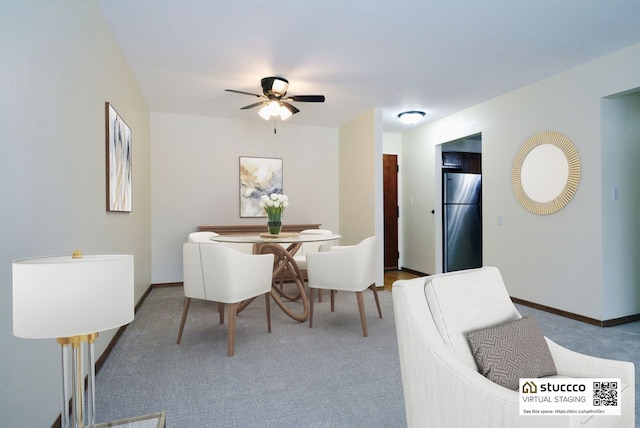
439 214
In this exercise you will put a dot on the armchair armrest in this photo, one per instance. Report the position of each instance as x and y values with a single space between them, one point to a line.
573 364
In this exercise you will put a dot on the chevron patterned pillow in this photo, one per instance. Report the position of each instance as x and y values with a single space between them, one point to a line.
511 351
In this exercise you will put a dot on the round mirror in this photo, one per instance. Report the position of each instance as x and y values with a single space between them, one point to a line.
546 173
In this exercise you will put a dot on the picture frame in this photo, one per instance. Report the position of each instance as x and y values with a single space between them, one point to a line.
258 176
119 162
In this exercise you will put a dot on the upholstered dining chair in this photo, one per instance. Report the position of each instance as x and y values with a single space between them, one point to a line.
221 274
203 237
344 268
311 247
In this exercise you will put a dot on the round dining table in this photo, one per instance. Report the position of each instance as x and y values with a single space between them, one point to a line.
283 263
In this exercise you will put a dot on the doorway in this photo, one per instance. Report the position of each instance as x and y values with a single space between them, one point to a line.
461 166
391 211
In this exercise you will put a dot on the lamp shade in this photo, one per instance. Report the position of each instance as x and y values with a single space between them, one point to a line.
56 297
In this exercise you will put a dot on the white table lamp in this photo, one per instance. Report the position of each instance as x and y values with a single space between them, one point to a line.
72 298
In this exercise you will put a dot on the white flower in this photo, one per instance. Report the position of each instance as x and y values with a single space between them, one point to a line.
274 204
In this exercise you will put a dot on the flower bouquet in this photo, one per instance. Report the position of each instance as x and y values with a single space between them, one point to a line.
274 205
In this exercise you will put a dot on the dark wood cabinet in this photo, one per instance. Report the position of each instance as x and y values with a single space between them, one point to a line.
462 162
473 162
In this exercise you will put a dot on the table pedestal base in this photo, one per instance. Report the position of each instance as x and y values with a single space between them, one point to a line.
283 262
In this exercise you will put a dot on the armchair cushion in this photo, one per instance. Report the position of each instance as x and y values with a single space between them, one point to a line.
458 303
510 351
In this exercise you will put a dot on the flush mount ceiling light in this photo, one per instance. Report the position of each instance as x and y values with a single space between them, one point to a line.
411 117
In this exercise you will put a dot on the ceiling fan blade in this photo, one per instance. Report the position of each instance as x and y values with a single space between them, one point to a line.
243 92
252 105
290 107
308 98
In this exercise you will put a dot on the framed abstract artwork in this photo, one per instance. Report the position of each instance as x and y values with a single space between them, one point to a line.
258 176
118 161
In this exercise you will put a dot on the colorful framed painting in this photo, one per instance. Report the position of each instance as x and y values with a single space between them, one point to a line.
258 176
118 161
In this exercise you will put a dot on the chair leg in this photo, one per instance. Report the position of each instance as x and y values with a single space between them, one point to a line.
375 295
267 298
310 307
221 312
233 308
333 300
319 295
185 310
361 309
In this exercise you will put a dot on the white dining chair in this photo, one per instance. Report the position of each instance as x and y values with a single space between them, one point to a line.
312 247
203 237
344 268
221 274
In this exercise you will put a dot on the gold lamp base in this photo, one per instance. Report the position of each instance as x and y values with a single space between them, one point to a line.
77 343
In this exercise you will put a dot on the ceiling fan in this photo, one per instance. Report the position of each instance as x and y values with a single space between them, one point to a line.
274 98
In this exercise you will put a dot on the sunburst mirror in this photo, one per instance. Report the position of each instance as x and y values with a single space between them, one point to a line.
545 173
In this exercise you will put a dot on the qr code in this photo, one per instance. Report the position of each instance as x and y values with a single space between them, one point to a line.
605 393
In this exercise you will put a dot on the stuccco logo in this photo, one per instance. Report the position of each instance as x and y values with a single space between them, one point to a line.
562 387
567 396
529 388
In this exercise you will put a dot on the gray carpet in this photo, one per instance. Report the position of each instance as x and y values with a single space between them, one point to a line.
328 376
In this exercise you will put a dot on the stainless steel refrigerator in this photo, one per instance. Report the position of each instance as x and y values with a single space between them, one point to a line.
462 200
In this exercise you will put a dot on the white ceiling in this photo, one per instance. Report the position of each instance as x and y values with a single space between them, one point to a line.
439 56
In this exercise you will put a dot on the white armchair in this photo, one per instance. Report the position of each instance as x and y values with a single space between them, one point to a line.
221 274
347 268
441 382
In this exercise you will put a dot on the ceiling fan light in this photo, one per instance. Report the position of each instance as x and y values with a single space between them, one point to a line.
274 108
265 112
284 113
411 117
279 87
275 86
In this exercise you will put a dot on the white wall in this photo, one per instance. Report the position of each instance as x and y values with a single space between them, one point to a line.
419 178
357 179
361 187
620 225
195 176
60 64
554 260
